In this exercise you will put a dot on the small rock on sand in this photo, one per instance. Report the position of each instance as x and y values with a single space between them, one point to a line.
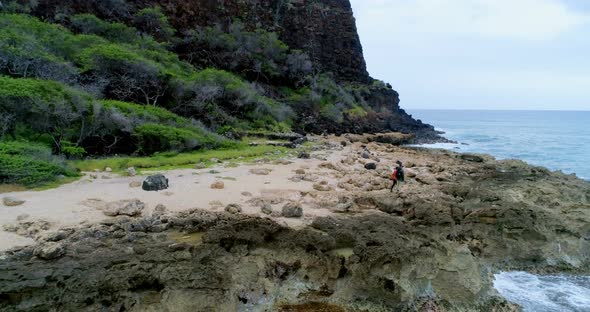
247 194
22 217
322 187
300 171
292 210
201 165
304 155
12 201
135 184
371 166
108 169
131 172
218 185
233 208
266 208
260 171
159 210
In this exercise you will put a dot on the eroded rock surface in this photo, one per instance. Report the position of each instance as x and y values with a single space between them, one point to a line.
425 247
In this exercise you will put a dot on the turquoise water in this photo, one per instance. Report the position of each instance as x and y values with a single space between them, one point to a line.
558 140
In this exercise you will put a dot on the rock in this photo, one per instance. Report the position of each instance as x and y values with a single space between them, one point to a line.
292 210
105 177
233 208
131 208
96 170
93 176
426 179
303 155
12 201
57 236
322 187
140 250
343 143
159 210
108 169
22 217
134 184
247 194
50 251
156 182
201 165
472 157
215 160
371 166
366 155
300 171
131 172
266 208
218 185
260 171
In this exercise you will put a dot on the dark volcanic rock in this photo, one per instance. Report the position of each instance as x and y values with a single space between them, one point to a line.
156 182
371 166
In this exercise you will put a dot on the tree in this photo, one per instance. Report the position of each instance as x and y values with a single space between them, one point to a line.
153 22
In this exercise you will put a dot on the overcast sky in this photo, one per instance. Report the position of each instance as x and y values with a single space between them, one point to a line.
480 54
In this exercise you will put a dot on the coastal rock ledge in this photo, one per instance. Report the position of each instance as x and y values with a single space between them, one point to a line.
424 247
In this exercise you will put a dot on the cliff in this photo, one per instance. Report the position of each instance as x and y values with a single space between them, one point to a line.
325 30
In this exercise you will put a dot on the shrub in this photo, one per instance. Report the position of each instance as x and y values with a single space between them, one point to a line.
153 22
156 137
30 164
255 54
219 98
116 32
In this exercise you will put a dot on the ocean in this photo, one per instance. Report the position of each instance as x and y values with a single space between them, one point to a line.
558 140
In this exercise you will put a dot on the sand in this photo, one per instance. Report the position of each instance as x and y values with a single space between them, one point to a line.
68 205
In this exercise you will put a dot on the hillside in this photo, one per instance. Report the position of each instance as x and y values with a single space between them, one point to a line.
95 78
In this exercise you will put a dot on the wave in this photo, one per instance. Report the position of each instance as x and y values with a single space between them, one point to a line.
552 293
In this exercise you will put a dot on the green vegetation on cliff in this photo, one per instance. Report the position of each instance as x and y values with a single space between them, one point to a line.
89 87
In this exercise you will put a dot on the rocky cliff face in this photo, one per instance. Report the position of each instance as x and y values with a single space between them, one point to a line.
325 29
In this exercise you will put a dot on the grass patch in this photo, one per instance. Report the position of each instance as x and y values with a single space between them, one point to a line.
166 161
31 165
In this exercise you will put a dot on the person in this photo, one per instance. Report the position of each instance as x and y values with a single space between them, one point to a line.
397 175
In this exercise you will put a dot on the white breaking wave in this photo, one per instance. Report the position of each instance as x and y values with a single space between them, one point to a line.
554 293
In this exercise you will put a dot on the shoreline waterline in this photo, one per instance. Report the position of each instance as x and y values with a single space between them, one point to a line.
557 140
547 293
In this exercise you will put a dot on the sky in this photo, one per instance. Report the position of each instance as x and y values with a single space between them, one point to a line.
479 54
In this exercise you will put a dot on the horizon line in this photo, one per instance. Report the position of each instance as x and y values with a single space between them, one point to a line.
502 109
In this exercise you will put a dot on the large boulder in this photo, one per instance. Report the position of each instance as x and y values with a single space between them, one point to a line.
156 182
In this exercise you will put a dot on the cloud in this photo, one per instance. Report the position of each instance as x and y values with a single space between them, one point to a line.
497 19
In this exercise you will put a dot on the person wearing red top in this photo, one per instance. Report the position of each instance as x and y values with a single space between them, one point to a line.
397 175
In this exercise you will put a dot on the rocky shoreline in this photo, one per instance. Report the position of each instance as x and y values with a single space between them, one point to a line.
432 245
